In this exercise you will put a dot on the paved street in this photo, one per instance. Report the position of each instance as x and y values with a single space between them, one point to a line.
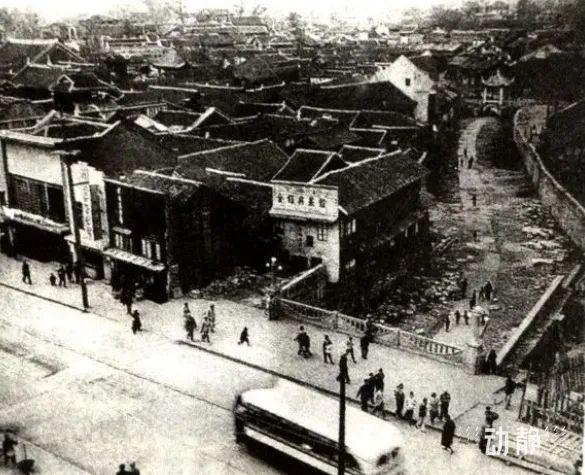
144 398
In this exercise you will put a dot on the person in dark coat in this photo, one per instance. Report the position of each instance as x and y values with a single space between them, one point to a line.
190 326
509 391
300 339
365 394
343 369
136 322
483 439
327 345
447 322
464 287
447 434
491 362
473 300
122 470
133 469
470 163
474 200
399 398
52 279
488 289
365 346
244 337
26 273
379 380
466 317
61 275
445 400
457 317
8 445
490 416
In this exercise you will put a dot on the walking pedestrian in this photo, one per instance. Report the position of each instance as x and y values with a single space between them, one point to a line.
8 445
244 337
133 469
483 439
186 310
466 317
127 297
422 415
343 369
465 152
327 346
399 398
434 408
464 287
379 380
489 290
365 394
410 407
447 322
26 273
491 362
378 402
474 200
509 388
205 328
211 315
190 326
349 346
447 434
69 272
445 400
473 300
300 339
457 317
122 470
490 416
61 275
365 345
136 322
52 279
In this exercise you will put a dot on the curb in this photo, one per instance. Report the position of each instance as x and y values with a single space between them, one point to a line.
42 297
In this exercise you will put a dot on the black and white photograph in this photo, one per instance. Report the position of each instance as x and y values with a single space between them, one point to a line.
262 237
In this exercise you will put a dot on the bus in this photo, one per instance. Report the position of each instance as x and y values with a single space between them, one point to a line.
303 425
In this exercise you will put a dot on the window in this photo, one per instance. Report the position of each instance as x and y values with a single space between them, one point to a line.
349 227
309 242
407 81
321 203
291 199
311 201
279 198
122 241
119 207
322 232
150 248
301 200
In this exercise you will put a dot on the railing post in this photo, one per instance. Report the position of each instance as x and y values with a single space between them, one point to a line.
398 338
335 320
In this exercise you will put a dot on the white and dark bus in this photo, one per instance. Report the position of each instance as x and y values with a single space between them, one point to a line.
303 425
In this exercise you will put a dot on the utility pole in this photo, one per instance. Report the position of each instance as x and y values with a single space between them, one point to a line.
341 439
66 157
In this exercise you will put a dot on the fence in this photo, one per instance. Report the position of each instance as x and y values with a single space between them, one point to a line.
307 287
382 334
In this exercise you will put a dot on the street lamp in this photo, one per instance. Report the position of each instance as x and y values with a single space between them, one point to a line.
273 266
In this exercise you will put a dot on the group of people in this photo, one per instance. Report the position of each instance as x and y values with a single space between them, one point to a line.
70 272
133 470
435 408
466 160
207 325
371 392
486 293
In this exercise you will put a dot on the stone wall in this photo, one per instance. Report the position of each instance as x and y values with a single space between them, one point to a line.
567 211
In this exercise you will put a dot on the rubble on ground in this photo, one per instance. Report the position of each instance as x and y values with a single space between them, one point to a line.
243 278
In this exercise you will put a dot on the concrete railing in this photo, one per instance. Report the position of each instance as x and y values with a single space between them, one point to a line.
567 211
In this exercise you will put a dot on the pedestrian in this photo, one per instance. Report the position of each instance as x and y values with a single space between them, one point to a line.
466 317
457 317
378 402
205 327
52 279
300 339
473 300
349 346
470 163
491 362
410 406
464 287
447 322
190 326
327 345
122 470
365 345
483 439
61 275
465 152
343 369
136 322
445 400
509 388
370 325
127 297
244 337
434 408
399 398
133 469
490 416
379 380
447 434
186 310
8 445
365 394
307 346
422 414
69 272
474 200
211 315
489 290
26 273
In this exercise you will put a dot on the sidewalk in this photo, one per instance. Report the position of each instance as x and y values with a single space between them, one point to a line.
272 342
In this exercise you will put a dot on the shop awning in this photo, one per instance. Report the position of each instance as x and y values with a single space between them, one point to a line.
130 258
38 222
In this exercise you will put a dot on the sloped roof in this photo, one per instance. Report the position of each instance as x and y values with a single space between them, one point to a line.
368 119
171 118
354 154
305 165
17 51
332 138
371 137
342 115
257 161
161 183
432 65
372 180
183 144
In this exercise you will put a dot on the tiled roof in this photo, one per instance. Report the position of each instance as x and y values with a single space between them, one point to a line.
171 118
332 138
257 161
371 137
372 180
183 144
305 165
353 154
342 115
432 65
368 119
160 183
